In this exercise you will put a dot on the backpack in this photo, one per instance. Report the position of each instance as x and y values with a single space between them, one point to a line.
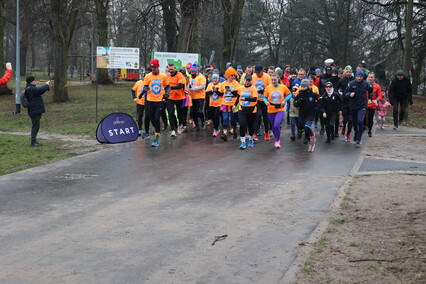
24 100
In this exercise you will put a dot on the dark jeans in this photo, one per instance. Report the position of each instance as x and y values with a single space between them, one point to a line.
197 111
155 110
35 120
399 104
369 118
172 117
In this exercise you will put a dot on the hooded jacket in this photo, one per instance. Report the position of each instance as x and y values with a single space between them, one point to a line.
401 89
35 99
363 91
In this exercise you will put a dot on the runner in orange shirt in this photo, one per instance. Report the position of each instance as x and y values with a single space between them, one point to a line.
139 99
229 90
261 80
177 95
197 91
274 99
215 101
158 89
247 113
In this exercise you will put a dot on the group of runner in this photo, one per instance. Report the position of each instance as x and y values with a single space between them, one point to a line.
258 99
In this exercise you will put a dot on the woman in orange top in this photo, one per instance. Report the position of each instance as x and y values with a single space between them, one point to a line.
138 95
247 112
229 90
197 91
215 101
274 99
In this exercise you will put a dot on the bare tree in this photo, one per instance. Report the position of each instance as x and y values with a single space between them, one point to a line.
62 23
232 11
187 38
102 8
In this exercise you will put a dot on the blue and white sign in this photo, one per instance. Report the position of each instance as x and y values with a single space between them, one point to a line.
117 128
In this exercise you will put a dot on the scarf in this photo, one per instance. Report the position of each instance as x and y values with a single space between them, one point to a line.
329 91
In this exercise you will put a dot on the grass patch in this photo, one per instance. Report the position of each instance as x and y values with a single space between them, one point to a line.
307 266
17 154
323 240
78 116
354 244
331 230
337 222
372 251
417 113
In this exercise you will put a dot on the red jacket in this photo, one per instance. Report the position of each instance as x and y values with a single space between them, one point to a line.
6 77
377 95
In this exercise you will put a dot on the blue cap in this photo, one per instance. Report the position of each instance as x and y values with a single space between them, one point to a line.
317 70
359 73
349 67
215 76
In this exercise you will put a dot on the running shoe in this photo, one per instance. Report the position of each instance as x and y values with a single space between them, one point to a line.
155 143
370 134
140 133
243 146
348 138
250 143
322 131
267 136
299 134
165 127
173 134
224 137
292 138
277 144
343 129
179 131
255 138
311 143
145 136
184 129
216 133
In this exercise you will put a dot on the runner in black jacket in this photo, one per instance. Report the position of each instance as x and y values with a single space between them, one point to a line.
330 104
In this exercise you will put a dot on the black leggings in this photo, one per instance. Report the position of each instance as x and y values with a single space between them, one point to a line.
215 114
247 120
262 112
401 103
347 119
369 118
330 121
171 110
35 120
155 110
139 114
197 110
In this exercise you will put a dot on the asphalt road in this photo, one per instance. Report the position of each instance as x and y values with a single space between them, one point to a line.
137 214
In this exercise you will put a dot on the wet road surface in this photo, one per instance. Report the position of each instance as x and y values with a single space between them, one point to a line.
137 214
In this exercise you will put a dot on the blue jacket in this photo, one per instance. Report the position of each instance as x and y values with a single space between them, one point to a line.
35 99
363 91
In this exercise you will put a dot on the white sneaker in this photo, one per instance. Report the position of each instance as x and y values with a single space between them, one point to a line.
173 134
179 129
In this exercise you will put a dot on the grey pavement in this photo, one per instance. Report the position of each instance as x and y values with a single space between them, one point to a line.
137 214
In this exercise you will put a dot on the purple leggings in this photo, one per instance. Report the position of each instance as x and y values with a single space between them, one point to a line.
276 119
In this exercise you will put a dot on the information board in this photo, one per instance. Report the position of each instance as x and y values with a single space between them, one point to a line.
178 59
117 57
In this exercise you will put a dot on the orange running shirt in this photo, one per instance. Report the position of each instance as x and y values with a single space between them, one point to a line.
157 86
276 95
261 83
228 97
137 87
215 99
195 83
174 81
247 92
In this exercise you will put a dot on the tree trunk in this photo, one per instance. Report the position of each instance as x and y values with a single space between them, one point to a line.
170 24
64 14
189 12
4 90
232 15
102 8
408 37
